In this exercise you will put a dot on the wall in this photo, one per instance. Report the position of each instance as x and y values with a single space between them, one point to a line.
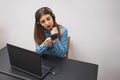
94 27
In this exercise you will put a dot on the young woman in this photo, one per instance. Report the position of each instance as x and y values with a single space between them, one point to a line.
50 37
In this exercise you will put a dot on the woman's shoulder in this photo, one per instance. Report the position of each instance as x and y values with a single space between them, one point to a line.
63 29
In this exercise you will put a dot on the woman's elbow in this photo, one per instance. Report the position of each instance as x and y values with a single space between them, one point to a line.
62 54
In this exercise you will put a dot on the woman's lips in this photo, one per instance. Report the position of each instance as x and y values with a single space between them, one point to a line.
48 26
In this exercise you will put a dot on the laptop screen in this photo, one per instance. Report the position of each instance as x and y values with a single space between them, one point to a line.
24 60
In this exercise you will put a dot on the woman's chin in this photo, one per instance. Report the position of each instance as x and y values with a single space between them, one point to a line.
49 29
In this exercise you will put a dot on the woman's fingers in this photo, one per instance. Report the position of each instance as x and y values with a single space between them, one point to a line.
48 41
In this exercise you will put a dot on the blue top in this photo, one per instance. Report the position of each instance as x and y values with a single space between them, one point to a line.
58 48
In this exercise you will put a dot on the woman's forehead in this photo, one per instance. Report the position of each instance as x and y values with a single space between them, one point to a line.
43 17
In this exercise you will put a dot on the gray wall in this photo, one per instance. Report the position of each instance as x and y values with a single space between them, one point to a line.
94 27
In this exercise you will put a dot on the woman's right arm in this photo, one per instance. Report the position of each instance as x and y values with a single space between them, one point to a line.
40 49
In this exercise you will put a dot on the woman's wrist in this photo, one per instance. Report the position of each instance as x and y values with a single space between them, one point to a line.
55 40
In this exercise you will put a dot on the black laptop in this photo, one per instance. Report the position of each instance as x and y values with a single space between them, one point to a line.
28 62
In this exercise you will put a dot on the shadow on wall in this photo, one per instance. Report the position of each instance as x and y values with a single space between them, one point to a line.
3 36
72 49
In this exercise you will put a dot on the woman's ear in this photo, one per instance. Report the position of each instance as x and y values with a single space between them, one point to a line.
38 22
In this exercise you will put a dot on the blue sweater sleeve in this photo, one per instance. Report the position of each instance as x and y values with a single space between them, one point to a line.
40 49
61 45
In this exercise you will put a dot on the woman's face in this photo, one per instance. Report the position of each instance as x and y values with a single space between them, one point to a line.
47 21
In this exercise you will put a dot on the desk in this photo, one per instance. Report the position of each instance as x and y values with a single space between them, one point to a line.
66 69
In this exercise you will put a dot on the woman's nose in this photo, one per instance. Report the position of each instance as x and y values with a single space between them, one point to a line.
46 22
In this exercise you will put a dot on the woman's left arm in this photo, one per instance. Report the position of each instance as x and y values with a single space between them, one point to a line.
61 45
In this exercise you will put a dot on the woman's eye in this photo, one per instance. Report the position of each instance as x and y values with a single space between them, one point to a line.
42 21
48 18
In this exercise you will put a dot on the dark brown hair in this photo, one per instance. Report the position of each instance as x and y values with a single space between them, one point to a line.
39 35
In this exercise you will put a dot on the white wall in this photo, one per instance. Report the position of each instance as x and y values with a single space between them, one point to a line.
94 27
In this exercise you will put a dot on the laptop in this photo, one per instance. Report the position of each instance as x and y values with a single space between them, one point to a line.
28 61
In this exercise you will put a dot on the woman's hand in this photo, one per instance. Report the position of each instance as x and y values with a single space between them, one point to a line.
54 30
48 41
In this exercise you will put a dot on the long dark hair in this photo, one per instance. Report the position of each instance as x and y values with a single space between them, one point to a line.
39 35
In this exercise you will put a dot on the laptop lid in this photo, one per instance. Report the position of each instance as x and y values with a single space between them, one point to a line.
26 61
